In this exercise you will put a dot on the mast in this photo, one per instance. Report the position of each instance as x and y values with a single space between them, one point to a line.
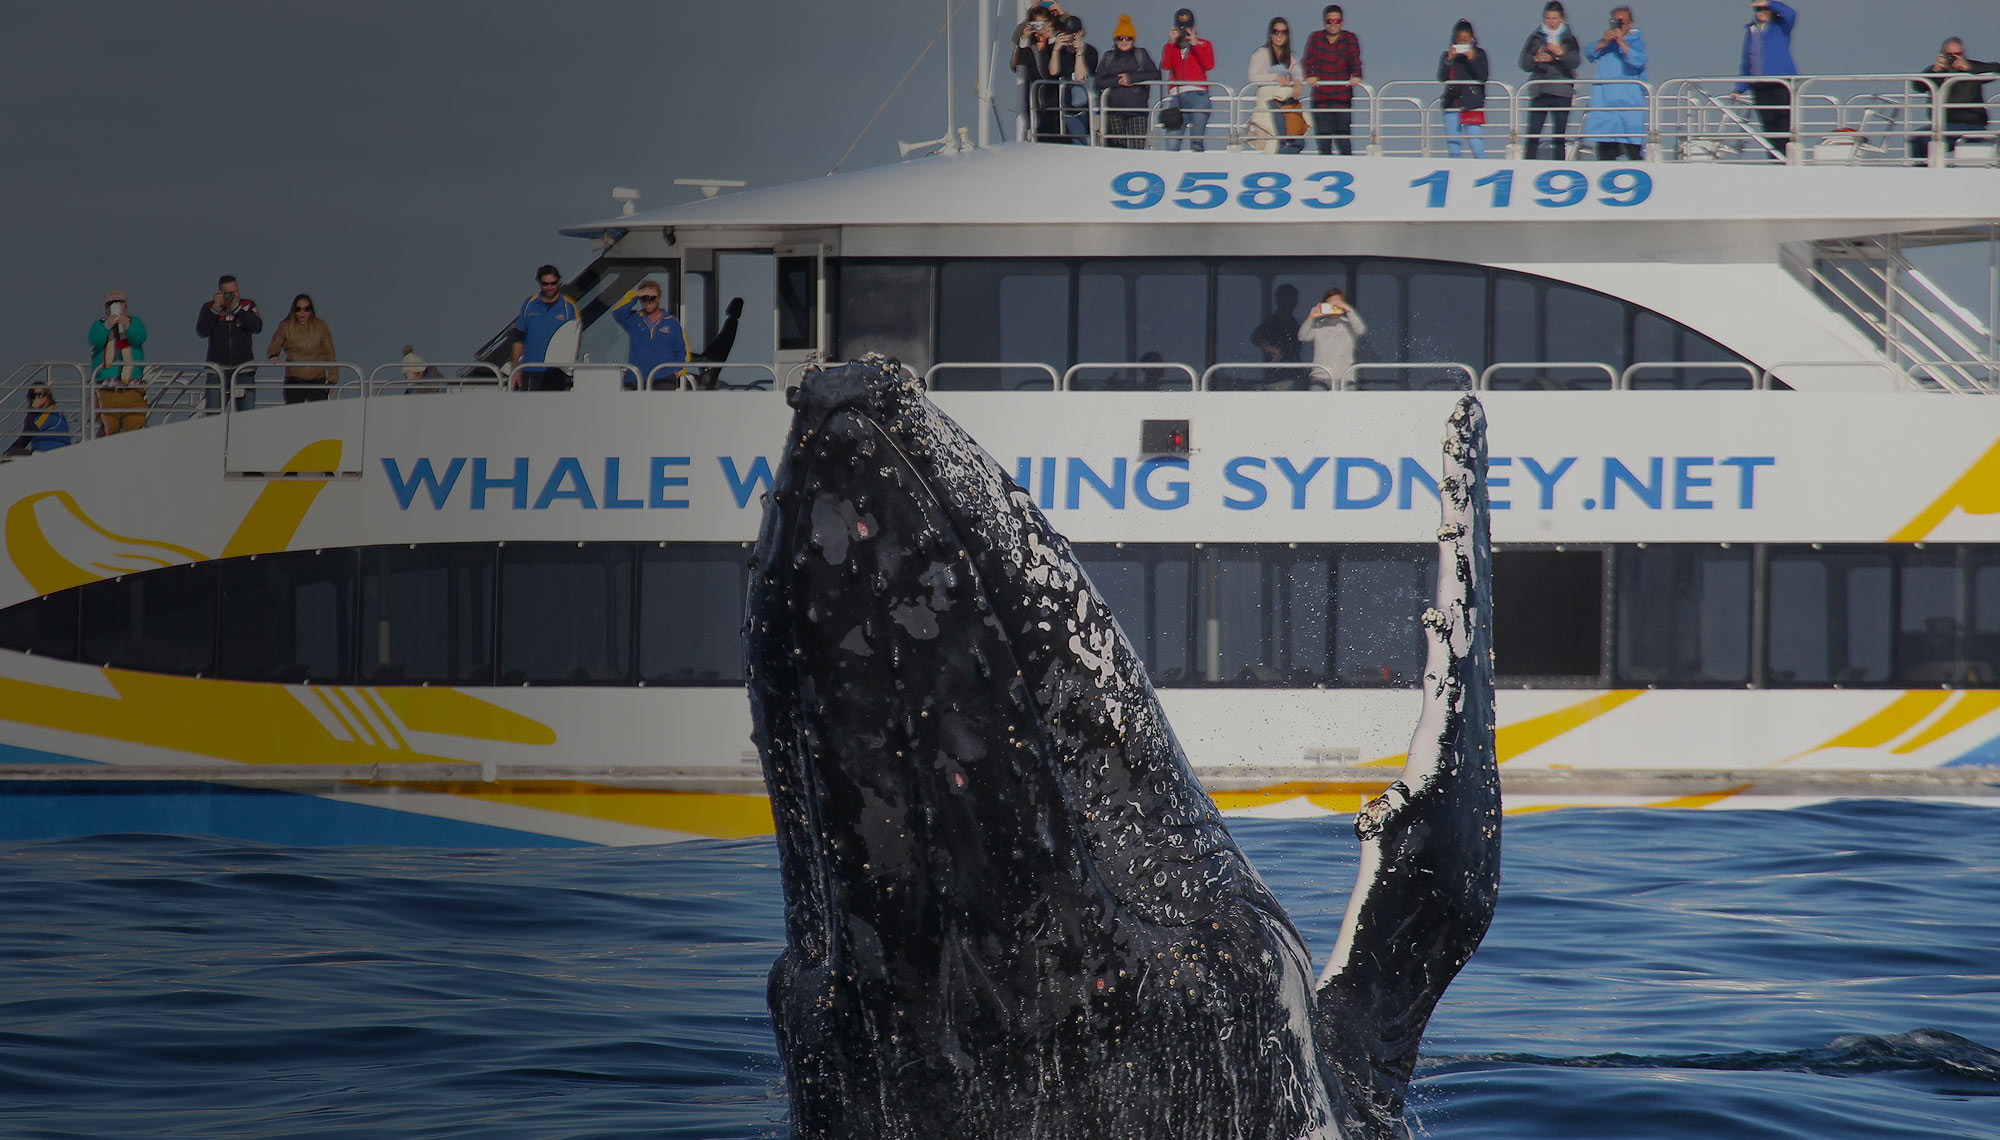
982 77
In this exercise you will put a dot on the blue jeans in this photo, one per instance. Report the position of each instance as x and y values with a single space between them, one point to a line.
1454 131
1194 107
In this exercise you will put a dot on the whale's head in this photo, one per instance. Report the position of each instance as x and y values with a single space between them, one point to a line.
1011 909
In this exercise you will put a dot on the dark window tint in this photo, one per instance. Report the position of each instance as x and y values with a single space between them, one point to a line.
1142 310
161 621
427 615
798 303
1172 592
44 626
886 308
1829 617
1379 596
1121 581
288 617
1683 615
1003 311
1259 306
1448 315
1548 613
691 614
1982 640
565 614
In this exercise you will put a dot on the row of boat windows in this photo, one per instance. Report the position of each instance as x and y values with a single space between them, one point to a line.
1201 311
1678 616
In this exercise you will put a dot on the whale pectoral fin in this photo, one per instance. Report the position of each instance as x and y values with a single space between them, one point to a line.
1430 859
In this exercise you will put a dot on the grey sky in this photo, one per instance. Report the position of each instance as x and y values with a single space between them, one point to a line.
408 163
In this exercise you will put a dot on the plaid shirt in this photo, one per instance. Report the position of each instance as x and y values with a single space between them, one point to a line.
1333 59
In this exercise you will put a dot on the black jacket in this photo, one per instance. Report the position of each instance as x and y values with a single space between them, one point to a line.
1474 68
1562 67
1964 98
228 334
1135 63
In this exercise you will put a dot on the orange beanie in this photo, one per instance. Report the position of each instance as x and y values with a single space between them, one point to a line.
1124 27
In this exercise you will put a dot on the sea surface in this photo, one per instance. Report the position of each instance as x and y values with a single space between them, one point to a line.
1819 973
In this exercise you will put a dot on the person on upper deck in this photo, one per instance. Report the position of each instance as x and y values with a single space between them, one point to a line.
303 336
542 315
1333 60
656 338
117 365
1550 58
1334 330
1122 75
227 323
1463 70
1277 75
1767 50
1186 60
1964 99
1072 61
1031 37
43 428
1617 116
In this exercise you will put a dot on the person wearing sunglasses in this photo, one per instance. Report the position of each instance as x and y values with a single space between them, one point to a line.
227 323
1276 75
303 336
541 315
1333 64
656 338
44 428
1122 74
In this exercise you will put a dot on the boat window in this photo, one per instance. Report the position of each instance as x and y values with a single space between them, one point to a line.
1379 594
1379 296
1829 616
1930 619
1302 616
1259 306
691 614
798 303
44 626
1517 319
1684 615
1548 613
1236 642
427 615
288 617
160 621
886 307
1002 311
1141 310
1582 325
1448 315
1173 612
565 613
1121 582
1982 642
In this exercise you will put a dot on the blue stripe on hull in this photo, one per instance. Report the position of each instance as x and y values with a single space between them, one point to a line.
48 810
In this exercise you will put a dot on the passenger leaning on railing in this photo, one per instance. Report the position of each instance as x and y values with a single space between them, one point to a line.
43 428
1186 60
1122 75
1067 65
1616 120
117 359
1767 50
1463 70
1333 60
303 336
1964 99
1278 76
1550 57
1031 36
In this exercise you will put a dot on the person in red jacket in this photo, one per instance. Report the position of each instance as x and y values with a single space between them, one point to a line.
1333 56
1186 62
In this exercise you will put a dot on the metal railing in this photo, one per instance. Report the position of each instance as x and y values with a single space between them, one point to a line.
1413 376
1753 379
1138 376
1285 377
1953 376
394 379
1840 120
1547 382
932 373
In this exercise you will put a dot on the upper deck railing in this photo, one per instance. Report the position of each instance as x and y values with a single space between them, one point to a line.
1823 120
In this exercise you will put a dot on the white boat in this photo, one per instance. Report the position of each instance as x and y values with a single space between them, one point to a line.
1746 481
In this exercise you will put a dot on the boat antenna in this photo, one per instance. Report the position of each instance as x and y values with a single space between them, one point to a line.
947 140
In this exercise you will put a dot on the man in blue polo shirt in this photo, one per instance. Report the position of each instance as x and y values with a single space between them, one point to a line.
656 337
541 315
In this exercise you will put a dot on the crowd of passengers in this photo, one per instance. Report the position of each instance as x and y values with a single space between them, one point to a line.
1307 93
229 323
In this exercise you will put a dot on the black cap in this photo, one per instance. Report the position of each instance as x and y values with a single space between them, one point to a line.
1184 18
1072 24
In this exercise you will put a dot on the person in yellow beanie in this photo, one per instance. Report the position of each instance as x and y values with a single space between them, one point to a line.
1122 74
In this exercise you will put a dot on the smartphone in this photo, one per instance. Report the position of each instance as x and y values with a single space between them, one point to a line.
117 308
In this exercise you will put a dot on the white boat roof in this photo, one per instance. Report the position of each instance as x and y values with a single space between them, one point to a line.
1029 184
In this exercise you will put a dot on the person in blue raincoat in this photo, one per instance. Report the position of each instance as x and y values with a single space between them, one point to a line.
1616 120
1767 50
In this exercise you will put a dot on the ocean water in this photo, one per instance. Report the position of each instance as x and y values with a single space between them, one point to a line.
1818 973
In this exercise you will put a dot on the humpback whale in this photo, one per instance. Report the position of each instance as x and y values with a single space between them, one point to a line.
1011 910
